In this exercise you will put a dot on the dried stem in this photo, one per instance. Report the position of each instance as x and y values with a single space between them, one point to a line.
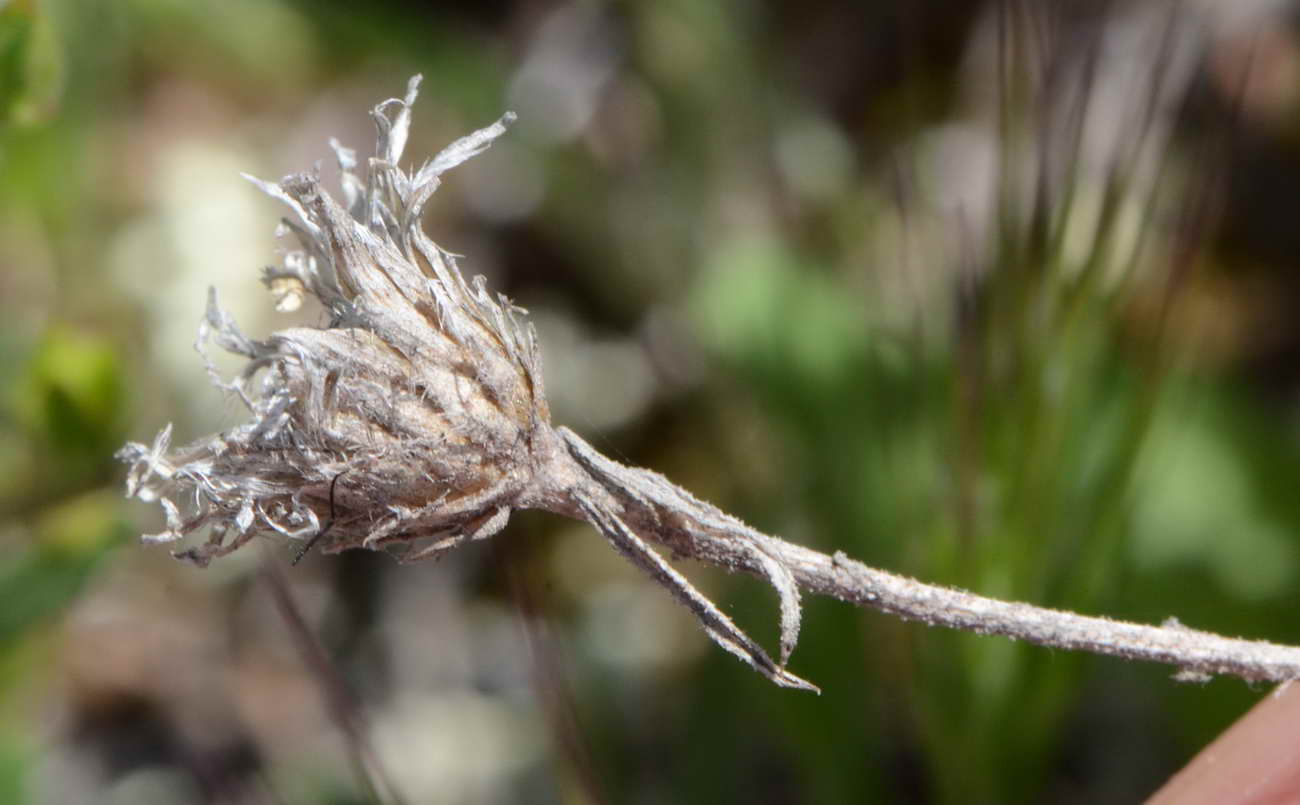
417 420
665 514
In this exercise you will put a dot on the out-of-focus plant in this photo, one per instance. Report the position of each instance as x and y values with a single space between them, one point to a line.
60 408
417 422
988 428
31 66
755 142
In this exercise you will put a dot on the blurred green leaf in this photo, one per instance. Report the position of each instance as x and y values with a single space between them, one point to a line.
15 760
71 396
260 41
31 63
1201 504
760 304
39 583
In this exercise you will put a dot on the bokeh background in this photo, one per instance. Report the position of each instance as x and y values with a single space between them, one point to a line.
1000 295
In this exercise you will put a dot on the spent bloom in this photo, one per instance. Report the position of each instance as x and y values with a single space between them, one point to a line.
416 419
424 392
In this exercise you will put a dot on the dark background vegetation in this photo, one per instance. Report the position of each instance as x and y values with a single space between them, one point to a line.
999 295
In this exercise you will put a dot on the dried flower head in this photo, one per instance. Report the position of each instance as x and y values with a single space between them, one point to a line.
424 393
416 419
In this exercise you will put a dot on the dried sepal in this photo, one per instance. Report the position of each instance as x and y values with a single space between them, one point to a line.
668 510
716 625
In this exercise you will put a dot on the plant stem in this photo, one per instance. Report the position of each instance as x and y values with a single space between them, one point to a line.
660 512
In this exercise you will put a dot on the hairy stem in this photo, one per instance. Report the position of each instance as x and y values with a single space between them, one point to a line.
1197 654
661 512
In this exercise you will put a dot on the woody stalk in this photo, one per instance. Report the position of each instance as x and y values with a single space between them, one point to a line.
416 421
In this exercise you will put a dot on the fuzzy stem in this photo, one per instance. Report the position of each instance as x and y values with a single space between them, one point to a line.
663 513
1197 654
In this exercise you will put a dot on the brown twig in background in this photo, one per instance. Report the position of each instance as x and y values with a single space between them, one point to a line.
426 390
551 684
339 702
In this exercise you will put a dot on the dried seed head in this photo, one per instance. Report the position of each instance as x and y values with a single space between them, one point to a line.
412 415
418 413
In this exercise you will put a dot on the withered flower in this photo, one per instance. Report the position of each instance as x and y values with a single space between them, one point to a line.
417 420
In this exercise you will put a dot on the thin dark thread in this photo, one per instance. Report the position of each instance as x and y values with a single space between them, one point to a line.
316 537
551 683
341 704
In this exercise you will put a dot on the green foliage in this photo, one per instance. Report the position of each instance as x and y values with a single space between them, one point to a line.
1031 456
15 760
31 63
70 398
40 583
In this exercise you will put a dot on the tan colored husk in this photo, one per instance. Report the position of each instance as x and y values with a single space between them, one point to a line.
410 417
